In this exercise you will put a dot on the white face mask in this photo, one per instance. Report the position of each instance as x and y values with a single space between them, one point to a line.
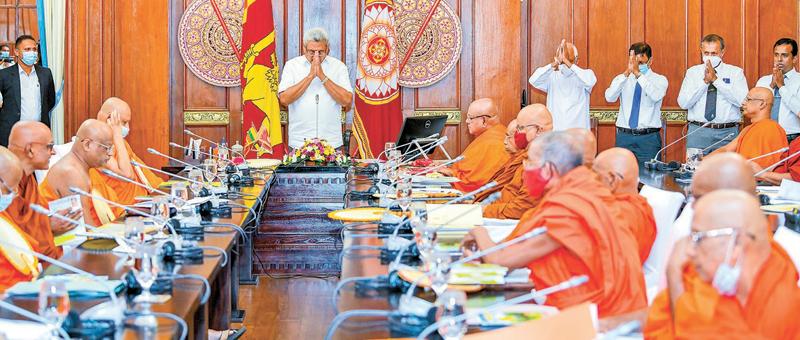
715 60
726 278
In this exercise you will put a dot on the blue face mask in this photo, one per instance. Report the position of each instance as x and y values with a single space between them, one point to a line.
29 57
644 68
4 55
125 131
6 200
726 278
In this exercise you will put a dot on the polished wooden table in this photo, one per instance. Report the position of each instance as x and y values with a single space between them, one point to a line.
185 300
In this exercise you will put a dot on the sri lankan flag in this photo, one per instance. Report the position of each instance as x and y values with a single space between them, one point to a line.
259 71
378 113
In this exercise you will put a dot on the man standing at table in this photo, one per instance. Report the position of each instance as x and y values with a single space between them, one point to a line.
640 91
567 86
26 89
315 87
712 92
785 86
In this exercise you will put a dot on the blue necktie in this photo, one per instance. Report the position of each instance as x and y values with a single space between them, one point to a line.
776 106
633 120
711 103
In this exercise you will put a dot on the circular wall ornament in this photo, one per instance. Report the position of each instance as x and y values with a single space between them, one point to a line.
203 44
438 49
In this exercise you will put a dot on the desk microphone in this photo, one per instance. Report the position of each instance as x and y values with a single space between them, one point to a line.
781 150
445 164
316 99
431 137
97 232
572 282
656 164
128 180
717 142
774 165
155 152
413 154
190 133
205 192
176 145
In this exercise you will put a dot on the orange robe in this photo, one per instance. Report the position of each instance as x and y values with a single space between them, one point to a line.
482 159
127 192
34 224
504 175
791 166
9 274
761 138
98 187
642 222
701 313
514 200
580 214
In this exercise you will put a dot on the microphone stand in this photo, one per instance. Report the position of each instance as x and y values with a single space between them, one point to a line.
316 99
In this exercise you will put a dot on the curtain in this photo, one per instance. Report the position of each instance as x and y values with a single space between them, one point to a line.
52 25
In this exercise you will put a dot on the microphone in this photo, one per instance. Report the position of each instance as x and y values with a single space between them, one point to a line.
573 282
422 151
176 145
717 142
316 99
128 180
781 150
17 310
623 329
656 164
190 133
203 184
478 254
774 165
434 168
431 137
155 152
97 232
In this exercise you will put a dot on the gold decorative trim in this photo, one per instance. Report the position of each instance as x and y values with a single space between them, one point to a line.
453 116
191 118
610 116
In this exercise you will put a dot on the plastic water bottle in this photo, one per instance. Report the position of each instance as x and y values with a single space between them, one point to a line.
223 149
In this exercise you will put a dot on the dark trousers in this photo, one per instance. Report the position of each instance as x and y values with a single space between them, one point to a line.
644 147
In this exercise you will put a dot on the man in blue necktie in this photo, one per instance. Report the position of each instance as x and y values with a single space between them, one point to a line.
640 91
785 86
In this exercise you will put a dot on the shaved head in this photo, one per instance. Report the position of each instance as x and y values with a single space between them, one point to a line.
728 208
727 170
570 52
10 169
481 115
31 142
94 143
589 141
114 104
508 142
619 169
759 105
536 120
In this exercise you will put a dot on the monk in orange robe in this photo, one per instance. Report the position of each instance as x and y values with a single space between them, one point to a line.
117 114
789 169
583 235
763 135
619 169
728 231
32 143
78 168
486 154
532 121
14 266
503 176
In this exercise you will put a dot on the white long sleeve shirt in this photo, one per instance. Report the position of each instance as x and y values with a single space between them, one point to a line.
790 100
568 92
731 91
654 87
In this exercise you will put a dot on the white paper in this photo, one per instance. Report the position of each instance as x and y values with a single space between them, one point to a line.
455 215
70 203
789 190
790 241
23 329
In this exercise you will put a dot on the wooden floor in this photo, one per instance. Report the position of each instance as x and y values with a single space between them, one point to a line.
298 308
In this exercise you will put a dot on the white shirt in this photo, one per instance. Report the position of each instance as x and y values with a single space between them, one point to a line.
731 91
303 123
31 97
790 100
654 87
568 92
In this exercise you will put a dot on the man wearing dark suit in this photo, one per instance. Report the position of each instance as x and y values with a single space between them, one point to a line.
27 91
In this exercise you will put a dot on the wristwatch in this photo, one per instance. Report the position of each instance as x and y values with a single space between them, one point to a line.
326 79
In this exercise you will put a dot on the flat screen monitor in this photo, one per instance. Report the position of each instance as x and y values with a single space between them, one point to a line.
419 127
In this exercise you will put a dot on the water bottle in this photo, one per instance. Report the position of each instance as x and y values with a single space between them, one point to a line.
223 149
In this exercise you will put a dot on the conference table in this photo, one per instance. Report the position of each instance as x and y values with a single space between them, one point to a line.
185 301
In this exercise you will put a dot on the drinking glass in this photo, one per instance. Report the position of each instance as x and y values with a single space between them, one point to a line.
54 302
403 194
180 194
388 147
196 175
210 170
449 305
146 271
439 271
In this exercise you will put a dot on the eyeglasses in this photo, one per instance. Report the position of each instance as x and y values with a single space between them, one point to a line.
521 128
699 236
476 117
11 191
108 148
748 99
49 146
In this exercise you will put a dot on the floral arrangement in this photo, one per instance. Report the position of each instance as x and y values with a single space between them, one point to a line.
318 152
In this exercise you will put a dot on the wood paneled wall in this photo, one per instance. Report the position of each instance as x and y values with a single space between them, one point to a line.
473 77
119 48
604 29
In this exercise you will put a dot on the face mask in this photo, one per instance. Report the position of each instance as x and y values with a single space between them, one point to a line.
726 278
125 131
6 200
643 68
715 60
534 181
521 140
29 57
4 55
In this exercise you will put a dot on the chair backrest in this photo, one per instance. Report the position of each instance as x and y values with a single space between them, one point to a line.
61 150
666 205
